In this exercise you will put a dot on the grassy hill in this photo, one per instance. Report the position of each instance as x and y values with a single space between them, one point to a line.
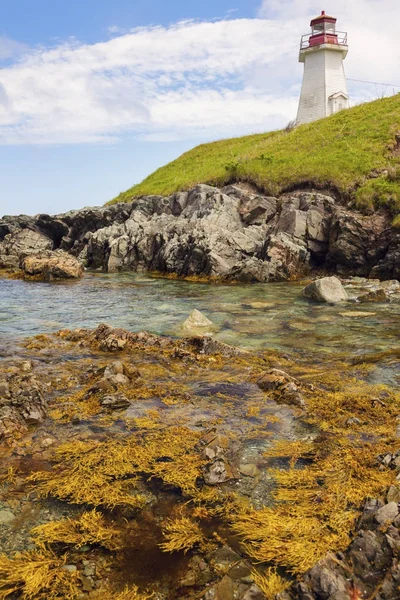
355 152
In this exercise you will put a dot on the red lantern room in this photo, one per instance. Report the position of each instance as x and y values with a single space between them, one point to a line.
323 31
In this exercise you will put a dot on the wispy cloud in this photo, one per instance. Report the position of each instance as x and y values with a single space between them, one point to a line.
10 48
182 81
189 80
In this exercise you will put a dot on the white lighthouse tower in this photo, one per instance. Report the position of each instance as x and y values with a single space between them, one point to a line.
324 89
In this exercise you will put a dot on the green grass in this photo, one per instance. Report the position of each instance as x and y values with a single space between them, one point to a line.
340 152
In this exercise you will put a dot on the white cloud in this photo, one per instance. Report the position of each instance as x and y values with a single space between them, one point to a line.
189 80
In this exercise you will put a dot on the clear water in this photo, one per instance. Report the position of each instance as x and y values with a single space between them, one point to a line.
284 320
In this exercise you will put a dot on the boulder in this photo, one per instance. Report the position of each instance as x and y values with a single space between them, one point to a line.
327 289
24 242
52 265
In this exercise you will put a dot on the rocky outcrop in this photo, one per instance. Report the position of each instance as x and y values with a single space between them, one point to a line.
22 402
228 233
52 265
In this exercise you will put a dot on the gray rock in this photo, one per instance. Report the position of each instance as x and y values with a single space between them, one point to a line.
387 513
326 289
233 233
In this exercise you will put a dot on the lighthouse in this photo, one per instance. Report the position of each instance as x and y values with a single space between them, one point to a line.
324 89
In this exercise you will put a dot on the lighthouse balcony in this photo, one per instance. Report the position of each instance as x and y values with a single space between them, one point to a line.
310 40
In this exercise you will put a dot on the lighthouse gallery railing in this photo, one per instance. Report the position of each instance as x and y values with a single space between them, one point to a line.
326 38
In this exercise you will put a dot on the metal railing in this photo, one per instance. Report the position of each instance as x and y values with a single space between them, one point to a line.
341 38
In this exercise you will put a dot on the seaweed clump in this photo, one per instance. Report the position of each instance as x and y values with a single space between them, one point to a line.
38 575
105 473
90 529
318 498
182 534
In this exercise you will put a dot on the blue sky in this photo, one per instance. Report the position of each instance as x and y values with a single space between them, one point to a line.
94 95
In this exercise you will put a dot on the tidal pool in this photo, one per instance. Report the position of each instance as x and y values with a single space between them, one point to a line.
255 316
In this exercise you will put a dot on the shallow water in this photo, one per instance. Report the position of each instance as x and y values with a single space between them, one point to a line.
281 319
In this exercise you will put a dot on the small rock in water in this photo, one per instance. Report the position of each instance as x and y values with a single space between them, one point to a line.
115 402
327 289
198 323
250 470
259 305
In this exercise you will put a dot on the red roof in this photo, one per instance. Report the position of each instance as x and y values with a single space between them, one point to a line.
323 18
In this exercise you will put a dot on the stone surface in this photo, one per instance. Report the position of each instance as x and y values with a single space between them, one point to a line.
326 289
387 513
230 233
52 265
6 517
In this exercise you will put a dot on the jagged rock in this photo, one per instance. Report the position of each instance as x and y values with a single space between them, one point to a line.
285 388
231 233
22 403
22 243
52 265
326 289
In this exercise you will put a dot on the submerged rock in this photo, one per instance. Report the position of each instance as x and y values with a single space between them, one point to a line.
327 289
285 389
52 265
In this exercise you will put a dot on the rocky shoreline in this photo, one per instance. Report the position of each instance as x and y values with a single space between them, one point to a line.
205 425
228 233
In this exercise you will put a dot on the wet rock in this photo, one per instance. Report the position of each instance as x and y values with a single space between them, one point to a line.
115 402
23 404
249 470
217 472
325 581
326 289
393 494
378 295
6 517
209 345
52 265
387 513
284 387
197 573
225 589
253 593
115 374
198 323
